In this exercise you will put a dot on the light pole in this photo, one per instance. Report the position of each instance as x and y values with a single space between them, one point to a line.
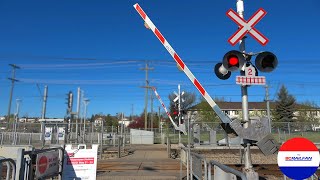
86 102
16 121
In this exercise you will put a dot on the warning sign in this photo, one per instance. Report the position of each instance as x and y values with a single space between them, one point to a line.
47 164
80 163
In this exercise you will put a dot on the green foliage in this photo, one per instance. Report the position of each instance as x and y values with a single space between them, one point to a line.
111 120
285 106
205 112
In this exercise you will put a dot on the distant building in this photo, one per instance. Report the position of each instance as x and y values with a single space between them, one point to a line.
29 120
124 121
98 121
259 109
52 120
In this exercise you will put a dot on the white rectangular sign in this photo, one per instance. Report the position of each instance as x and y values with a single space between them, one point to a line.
249 80
61 133
48 133
47 164
80 163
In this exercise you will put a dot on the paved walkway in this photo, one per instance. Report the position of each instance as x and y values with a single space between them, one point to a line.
147 162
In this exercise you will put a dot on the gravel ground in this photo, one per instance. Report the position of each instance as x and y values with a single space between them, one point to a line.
234 158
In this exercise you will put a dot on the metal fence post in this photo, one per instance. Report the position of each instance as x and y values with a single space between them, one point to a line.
188 165
191 171
101 139
205 169
30 138
209 171
61 165
119 146
168 147
181 165
1 138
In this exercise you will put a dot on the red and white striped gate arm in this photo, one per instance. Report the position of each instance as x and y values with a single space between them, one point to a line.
164 107
224 118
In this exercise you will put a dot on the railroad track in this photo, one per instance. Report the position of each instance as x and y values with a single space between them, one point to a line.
264 170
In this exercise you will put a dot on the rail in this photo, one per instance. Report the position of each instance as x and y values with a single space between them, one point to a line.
10 164
226 169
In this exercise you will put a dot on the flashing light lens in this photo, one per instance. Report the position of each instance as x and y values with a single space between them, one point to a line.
233 60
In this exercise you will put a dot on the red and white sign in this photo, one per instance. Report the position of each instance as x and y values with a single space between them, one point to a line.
298 158
247 27
251 80
42 164
47 164
80 163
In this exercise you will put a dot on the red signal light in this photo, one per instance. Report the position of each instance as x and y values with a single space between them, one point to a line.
175 113
233 60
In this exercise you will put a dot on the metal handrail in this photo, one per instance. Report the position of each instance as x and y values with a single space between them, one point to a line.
228 169
200 157
204 162
13 164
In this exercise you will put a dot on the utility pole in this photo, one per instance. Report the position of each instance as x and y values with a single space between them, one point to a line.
147 69
151 118
44 103
78 111
14 67
160 124
268 106
86 102
43 113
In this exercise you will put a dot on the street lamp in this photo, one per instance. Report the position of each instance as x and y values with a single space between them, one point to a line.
16 121
86 102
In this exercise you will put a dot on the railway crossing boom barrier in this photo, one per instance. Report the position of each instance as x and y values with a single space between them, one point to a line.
182 127
264 139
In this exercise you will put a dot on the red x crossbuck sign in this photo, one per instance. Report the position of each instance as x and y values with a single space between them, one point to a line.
247 27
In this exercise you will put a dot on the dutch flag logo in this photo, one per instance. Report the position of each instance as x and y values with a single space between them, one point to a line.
298 158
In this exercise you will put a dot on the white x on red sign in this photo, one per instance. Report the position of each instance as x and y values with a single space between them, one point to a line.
247 27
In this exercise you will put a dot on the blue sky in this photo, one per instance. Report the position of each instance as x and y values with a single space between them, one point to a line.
100 46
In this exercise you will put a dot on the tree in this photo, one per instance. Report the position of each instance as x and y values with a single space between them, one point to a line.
137 122
205 111
284 106
110 120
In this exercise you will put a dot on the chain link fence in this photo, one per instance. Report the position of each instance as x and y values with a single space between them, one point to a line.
57 133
